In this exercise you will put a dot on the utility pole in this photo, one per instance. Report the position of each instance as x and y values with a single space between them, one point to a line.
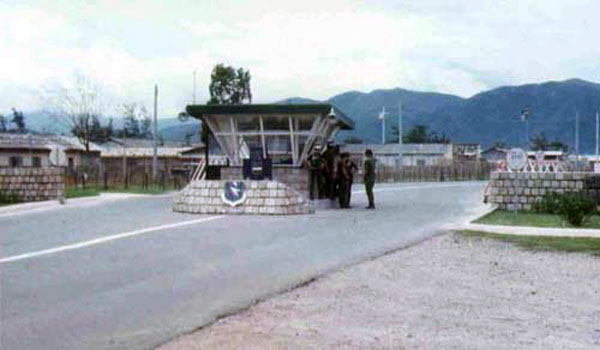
597 134
400 141
155 136
194 90
577 137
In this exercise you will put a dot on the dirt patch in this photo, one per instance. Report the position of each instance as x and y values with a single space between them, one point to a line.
447 293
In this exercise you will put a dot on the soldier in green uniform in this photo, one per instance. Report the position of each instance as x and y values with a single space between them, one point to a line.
343 176
315 167
369 177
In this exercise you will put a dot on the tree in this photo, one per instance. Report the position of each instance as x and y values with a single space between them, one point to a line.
353 140
419 134
146 124
229 86
539 142
137 122
19 120
131 126
79 104
2 123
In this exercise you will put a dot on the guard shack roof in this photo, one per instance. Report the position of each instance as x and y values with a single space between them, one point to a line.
286 133
323 109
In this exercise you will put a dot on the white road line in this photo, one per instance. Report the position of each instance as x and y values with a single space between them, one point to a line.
180 224
105 239
402 188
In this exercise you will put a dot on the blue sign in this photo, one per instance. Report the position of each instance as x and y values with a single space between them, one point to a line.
234 193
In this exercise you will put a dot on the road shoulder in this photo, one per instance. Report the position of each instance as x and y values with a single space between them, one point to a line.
448 292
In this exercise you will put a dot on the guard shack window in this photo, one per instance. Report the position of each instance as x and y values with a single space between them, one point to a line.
36 161
285 133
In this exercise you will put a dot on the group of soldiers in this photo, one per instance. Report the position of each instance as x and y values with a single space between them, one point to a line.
331 175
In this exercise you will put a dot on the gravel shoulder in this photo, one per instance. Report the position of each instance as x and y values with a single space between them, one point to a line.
449 292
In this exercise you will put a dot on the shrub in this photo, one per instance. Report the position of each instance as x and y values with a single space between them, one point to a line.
549 204
9 198
576 208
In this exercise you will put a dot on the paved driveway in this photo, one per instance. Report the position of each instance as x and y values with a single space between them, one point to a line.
131 274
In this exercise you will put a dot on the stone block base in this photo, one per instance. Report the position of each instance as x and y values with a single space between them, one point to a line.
262 198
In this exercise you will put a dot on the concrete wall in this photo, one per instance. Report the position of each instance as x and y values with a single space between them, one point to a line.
32 184
516 191
262 198
296 178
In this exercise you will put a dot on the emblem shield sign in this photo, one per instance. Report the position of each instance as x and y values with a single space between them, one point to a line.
234 193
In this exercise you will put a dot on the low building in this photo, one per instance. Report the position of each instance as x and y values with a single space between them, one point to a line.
413 154
466 151
23 150
494 154
47 150
133 158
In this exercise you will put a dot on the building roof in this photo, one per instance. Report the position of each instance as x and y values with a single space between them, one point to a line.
49 142
143 151
145 143
393 148
324 109
23 141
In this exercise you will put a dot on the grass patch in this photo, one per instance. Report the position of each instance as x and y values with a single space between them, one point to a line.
543 243
81 192
139 190
95 191
8 199
529 218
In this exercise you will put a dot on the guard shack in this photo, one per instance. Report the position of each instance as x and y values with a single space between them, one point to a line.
267 146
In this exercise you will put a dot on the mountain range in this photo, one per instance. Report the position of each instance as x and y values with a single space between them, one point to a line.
487 118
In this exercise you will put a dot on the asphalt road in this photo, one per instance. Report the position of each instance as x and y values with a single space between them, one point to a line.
131 274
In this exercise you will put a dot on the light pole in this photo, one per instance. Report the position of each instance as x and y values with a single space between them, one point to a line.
525 114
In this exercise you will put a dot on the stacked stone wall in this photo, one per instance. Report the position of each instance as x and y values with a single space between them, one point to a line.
32 184
296 178
519 191
262 197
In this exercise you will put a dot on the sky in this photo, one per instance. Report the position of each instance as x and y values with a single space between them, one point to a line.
313 49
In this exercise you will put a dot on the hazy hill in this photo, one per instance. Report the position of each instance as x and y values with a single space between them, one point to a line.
488 117
494 115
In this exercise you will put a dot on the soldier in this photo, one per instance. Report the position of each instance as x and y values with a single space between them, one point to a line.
329 171
343 175
352 168
315 166
369 177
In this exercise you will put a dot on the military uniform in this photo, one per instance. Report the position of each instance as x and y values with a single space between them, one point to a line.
315 165
369 180
344 177
352 168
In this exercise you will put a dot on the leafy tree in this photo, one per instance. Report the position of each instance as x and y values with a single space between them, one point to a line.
353 140
145 124
110 129
131 126
419 134
539 142
19 120
229 86
2 123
